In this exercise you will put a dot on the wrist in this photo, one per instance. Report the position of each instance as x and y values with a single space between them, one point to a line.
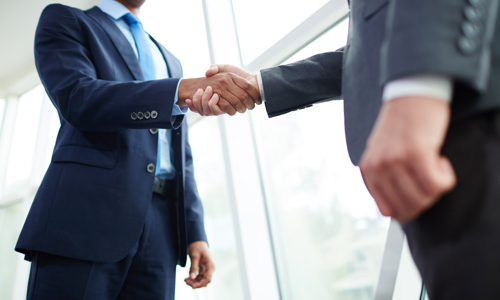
253 80
186 90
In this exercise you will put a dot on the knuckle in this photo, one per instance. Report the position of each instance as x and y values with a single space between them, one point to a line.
246 85
376 166
387 212
225 79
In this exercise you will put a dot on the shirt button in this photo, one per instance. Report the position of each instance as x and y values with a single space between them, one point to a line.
154 114
147 115
151 168
133 116
153 130
140 115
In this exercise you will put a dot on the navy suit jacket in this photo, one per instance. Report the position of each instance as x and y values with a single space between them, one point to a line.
93 200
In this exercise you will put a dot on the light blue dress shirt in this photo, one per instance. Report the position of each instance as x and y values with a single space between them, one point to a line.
116 11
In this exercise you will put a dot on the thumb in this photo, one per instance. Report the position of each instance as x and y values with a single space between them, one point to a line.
448 177
195 260
190 105
214 69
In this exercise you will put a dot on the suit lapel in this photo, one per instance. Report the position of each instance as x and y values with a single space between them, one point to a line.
174 67
121 43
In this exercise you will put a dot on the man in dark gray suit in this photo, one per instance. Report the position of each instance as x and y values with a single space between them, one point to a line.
431 165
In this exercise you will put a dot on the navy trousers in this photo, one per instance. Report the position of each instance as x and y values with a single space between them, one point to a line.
148 272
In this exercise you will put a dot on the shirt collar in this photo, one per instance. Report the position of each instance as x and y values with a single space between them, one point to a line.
114 9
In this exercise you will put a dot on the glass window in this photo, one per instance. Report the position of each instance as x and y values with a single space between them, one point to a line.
2 111
329 232
261 23
24 137
332 40
180 27
11 222
210 175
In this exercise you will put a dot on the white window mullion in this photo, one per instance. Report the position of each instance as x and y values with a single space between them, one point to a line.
325 18
9 119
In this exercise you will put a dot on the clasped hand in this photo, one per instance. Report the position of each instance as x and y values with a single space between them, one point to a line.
225 90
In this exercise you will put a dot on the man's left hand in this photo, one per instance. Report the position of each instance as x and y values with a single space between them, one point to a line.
202 265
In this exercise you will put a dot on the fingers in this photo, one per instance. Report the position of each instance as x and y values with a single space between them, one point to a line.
214 69
193 271
435 176
190 105
207 95
404 187
251 91
204 276
226 107
197 102
246 80
213 105
234 100
238 92
216 105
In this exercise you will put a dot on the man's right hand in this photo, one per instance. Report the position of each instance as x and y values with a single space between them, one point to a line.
402 165
206 108
236 93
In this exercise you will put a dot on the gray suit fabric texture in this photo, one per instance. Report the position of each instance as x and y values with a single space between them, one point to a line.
455 244
391 39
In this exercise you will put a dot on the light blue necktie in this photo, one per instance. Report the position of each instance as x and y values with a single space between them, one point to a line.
145 60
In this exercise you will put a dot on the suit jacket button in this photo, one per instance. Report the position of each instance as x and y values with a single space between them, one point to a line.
133 116
473 13
470 30
151 168
153 130
147 115
154 114
477 4
140 115
466 45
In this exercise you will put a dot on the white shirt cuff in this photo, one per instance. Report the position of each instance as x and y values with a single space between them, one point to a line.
261 87
434 86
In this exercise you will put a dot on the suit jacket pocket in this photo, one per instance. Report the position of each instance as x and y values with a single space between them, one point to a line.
86 156
373 6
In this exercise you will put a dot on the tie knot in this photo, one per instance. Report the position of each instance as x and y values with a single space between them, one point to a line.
131 19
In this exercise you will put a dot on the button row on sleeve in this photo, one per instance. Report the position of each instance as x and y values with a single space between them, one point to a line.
472 27
146 115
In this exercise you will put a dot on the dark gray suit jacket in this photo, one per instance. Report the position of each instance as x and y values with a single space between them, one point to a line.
390 39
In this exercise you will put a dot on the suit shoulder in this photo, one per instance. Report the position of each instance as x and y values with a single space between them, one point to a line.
59 10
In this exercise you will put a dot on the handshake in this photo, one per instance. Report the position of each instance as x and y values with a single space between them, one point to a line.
226 89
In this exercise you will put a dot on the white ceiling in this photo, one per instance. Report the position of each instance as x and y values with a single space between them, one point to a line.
18 20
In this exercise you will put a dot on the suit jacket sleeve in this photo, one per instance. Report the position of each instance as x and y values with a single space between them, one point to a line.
65 64
194 208
303 83
443 37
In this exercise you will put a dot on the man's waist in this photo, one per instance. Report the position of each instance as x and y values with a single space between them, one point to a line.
165 187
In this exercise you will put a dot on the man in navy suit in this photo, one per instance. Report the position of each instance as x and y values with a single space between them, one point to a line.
118 208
